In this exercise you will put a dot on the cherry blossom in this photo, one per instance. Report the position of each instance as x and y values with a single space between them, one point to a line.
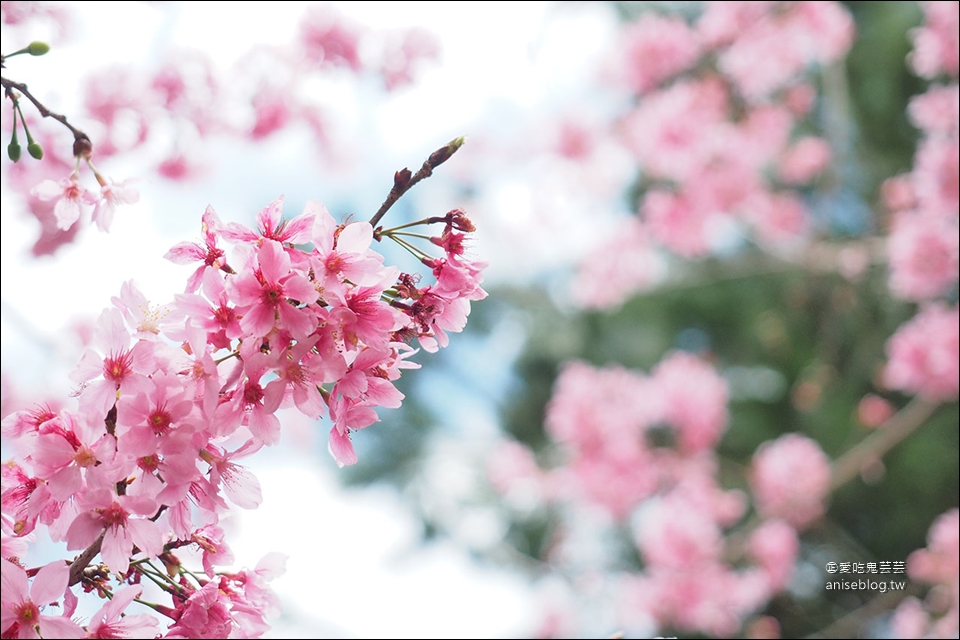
21 615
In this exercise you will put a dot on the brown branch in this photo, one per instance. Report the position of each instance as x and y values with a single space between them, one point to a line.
83 560
10 86
886 436
403 180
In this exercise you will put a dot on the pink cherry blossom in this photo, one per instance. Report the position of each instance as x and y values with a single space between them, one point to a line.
116 517
790 478
238 483
655 49
272 226
806 159
328 38
775 546
628 263
924 354
263 298
936 42
671 534
342 252
111 621
939 562
21 617
123 368
70 198
694 399
210 254
206 613
113 195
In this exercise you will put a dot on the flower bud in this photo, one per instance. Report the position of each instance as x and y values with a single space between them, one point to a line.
13 151
38 48
82 147
35 150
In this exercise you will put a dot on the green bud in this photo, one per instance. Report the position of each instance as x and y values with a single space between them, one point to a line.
35 150
13 151
38 48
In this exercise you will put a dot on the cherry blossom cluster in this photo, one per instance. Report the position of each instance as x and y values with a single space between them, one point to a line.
939 566
172 397
715 137
167 114
924 241
642 447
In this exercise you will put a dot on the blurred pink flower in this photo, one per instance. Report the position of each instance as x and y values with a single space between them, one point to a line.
790 479
924 354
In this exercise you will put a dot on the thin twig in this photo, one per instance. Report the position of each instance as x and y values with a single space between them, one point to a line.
886 436
10 86
403 180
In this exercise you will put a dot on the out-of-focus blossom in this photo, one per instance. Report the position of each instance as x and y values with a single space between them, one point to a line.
790 478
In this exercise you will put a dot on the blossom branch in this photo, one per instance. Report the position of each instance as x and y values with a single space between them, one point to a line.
82 561
403 180
887 436
10 87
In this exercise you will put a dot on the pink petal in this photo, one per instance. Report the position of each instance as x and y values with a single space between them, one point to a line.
384 393
67 212
298 230
264 426
270 217
308 401
112 333
60 627
242 487
99 397
50 583
258 321
273 395
185 252
341 448
116 548
65 482
84 530
299 288
146 535
353 384
323 226
272 566
274 261
299 322
14 581
210 225
355 238
110 612
89 367
236 232
48 190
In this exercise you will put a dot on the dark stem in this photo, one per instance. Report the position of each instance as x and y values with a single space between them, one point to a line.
9 87
83 560
403 180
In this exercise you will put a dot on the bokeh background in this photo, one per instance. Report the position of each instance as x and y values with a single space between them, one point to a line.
230 107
